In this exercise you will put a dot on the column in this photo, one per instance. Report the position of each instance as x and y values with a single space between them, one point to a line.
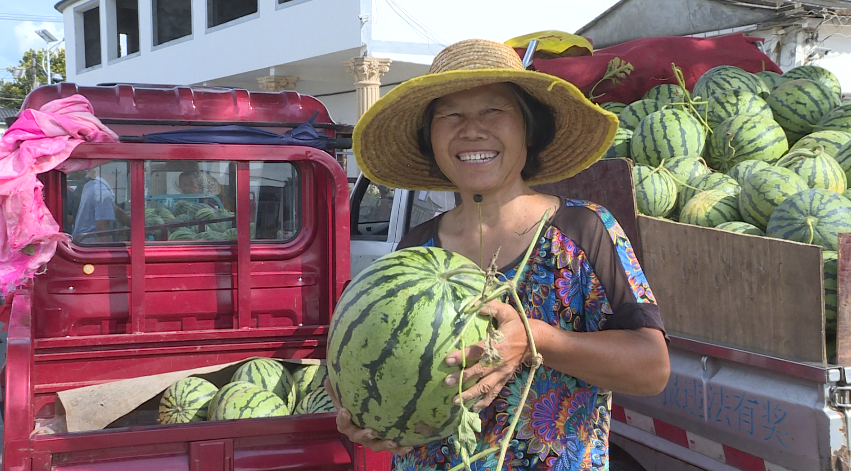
277 83
367 71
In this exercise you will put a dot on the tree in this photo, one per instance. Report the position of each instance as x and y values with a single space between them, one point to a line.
12 93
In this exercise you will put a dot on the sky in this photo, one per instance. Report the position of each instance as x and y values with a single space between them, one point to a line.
19 20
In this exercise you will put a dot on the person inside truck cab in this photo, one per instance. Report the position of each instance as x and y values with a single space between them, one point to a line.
97 211
480 124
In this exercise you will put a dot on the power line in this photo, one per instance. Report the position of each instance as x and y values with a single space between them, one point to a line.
36 18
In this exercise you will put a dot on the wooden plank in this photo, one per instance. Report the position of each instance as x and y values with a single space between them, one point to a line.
754 293
607 182
843 302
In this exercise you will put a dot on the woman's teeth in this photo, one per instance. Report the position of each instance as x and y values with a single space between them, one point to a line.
476 156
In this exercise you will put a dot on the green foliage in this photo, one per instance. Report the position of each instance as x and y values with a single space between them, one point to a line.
12 93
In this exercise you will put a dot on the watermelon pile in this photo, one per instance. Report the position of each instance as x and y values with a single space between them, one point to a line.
260 387
760 154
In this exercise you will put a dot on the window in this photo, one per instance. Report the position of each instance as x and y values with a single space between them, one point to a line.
375 206
96 204
172 20
223 11
124 15
91 37
428 204
275 186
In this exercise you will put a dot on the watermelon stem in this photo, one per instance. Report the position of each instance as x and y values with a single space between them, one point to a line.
688 103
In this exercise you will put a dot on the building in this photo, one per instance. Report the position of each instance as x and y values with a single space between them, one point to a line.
816 32
340 51
6 113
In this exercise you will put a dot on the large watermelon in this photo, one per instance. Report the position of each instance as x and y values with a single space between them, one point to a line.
250 403
634 112
728 77
614 106
744 137
655 191
316 401
799 104
771 79
843 157
764 190
816 74
225 392
665 93
270 375
186 400
728 103
815 216
710 208
837 119
684 167
710 181
390 333
740 227
817 168
743 170
620 146
665 134
830 140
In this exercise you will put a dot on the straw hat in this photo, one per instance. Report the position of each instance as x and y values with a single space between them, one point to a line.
385 137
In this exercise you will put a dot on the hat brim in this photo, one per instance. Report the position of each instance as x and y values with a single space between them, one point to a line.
385 137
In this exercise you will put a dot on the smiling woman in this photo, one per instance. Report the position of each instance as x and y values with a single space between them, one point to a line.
481 125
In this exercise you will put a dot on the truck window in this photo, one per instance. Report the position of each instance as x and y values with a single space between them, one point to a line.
374 211
96 207
426 204
275 201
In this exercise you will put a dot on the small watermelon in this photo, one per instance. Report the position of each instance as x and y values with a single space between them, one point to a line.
843 157
685 167
742 170
798 105
655 191
710 208
740 227
815 216
710 181
226 391
816 74
187 400
728 103
270 375
665 134
620 146
665 93
817 168
306 378
728 77
837 119
316 401
250 403
771 79
613 106
634 112
745 137
830 140
764 190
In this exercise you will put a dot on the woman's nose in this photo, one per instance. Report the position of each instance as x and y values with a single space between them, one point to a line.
472 128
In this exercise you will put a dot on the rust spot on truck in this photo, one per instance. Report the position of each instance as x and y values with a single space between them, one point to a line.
839 460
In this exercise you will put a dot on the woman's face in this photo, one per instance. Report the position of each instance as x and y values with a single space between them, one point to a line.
478 138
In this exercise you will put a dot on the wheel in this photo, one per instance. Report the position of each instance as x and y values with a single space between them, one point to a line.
620 460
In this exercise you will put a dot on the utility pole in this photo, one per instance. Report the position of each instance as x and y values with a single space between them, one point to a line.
35 73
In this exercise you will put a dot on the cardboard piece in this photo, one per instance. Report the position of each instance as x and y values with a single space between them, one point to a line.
95 407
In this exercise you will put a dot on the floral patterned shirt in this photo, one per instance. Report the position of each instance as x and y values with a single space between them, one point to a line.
583 276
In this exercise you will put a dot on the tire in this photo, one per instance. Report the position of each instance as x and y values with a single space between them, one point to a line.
620 460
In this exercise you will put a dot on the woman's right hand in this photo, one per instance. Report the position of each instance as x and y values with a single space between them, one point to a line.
364 436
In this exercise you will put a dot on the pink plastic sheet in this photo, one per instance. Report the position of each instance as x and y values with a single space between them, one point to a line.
38 141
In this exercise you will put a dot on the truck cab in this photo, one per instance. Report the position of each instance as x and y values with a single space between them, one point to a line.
249 261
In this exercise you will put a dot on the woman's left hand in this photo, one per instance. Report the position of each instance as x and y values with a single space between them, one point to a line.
513 349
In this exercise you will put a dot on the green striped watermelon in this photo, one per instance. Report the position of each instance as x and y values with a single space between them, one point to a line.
225 392
684 167
830 140
315 401
186 401
816 74
250 403
270 375
728 103
817 168
613 106
831 276
764 190
799 104
771 79
620 146
390 333
710 181
742 170
655 191
740 227
665 134
843 157
634 112
665 93
710 208
837 119
745 137
815 216
728 77
306 378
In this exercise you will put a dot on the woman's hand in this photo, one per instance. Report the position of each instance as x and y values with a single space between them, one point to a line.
364 436
513 349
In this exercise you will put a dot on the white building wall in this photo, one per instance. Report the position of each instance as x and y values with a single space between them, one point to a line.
277 34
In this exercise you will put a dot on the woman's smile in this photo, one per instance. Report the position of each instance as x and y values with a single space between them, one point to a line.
477 156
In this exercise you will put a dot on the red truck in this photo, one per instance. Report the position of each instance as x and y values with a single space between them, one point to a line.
123 302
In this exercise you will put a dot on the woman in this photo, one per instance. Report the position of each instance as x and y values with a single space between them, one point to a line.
481 125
